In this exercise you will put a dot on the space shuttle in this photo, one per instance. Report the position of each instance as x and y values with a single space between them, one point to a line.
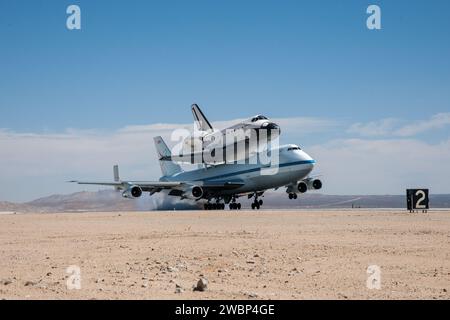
209 146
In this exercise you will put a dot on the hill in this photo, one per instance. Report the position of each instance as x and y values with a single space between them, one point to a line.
109 200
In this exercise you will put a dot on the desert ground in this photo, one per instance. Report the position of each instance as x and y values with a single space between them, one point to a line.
301 254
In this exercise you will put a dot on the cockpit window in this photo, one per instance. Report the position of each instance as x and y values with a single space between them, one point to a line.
294 148
260 117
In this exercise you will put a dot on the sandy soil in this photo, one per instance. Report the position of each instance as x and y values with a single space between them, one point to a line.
256 255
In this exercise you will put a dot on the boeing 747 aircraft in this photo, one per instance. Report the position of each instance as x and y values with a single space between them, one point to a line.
225 183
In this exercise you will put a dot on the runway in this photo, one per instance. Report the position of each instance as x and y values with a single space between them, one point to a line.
306 254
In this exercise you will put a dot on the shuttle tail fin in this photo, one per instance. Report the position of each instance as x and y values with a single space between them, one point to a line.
200 119
168 167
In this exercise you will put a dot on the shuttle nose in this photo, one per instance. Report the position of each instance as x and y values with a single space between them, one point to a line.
271 126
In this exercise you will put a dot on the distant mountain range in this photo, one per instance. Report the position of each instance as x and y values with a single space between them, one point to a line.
109 200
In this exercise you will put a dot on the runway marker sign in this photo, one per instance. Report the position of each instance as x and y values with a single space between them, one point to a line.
417 199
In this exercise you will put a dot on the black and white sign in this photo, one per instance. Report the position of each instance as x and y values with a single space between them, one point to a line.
417 199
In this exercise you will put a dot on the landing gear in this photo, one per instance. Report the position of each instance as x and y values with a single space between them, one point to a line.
292 196
257 204
214 206
234 205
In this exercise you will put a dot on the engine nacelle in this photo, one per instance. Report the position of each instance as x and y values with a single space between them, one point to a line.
302 187
194 192
315 184
132 192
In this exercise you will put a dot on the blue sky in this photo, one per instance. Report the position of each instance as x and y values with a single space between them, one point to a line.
145 62
136 62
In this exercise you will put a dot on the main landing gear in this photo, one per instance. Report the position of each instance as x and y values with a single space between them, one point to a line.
214 206
218 205
257 204
292 196
234 205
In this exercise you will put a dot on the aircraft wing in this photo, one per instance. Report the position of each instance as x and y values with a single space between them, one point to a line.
157 186
221 184
100 183
177 188
144 185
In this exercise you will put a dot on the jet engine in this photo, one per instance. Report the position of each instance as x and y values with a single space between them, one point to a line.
193 192
302 187
314 184
132 192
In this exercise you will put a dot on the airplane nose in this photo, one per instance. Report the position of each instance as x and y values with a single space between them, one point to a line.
313 164
310 165
304 156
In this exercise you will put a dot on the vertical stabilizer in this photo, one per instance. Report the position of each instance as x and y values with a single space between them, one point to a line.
200 119
168 167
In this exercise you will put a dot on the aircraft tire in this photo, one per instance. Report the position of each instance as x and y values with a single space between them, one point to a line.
260 202
290 196
239 206
253 206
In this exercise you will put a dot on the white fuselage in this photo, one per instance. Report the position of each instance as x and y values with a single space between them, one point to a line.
293 165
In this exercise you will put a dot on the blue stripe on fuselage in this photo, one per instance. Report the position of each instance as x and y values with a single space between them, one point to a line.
257 169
